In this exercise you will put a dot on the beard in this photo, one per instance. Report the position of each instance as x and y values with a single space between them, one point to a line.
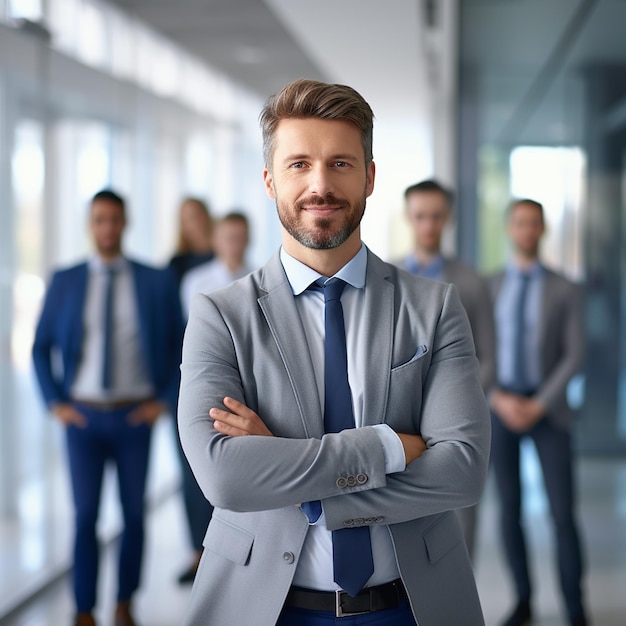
325 234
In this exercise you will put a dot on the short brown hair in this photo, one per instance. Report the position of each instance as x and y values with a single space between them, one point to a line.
527 201
110 196
310 98
430 186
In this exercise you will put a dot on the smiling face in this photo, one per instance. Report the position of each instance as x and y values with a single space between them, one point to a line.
320 183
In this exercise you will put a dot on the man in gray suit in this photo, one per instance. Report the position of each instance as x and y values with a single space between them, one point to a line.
288 490
539 332
428 207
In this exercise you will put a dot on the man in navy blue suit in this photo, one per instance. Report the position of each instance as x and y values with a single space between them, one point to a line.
116 327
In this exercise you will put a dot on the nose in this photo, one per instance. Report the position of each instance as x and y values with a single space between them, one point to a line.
320 180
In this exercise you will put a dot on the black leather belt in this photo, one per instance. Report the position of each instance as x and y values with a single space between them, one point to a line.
342 604
112 405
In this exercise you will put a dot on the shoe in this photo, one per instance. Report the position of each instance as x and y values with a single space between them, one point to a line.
188 576
580 621
84 619
123 616
521 616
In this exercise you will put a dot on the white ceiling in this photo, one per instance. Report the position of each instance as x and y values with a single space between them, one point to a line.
386 50
371 45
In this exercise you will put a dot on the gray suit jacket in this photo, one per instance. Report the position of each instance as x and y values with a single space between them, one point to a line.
562 341
475 297
247 341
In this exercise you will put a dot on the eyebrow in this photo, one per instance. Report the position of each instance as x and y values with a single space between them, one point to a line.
299 156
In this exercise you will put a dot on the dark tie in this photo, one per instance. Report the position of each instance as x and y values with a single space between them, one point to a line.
520 375
352 549
107 361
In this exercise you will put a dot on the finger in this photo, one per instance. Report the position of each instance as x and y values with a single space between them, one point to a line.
77 419
136 417
238 408
223 416
229 429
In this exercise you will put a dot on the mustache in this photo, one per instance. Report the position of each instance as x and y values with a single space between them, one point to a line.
329 198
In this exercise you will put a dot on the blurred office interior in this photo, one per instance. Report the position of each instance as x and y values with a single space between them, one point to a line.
160 99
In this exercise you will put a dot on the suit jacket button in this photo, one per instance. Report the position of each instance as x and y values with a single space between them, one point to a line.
348 522
379 520
359 521
361 479
351 480
288 557
341 482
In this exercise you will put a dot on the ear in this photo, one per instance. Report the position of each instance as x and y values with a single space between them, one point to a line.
268 179
369 182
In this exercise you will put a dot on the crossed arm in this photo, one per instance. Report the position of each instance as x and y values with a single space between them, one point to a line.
240 421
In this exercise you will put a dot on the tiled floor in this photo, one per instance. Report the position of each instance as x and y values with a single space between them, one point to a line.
602 486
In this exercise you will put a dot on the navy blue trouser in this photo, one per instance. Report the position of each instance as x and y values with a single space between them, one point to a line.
553 447
108 436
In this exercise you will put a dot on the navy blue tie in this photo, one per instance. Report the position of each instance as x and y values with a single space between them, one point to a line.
520 376
107 362
352 549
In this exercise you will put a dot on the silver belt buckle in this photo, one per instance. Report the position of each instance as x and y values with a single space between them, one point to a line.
339 611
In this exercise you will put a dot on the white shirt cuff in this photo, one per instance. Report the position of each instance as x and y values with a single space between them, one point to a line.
395 459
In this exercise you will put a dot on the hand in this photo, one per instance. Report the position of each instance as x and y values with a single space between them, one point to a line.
517 413
238 420
413 446
147 413
532 410
68 415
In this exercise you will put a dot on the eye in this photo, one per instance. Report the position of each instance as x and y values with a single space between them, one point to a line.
341 164
298 165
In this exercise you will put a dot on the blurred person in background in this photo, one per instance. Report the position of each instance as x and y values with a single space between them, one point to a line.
540 344
230 242
106 354
428 206
194 248
195 237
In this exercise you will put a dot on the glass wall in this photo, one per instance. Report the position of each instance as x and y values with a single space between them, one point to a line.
104 102
543 115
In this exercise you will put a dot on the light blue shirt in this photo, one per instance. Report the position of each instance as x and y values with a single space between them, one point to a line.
315 567
505 324
433 270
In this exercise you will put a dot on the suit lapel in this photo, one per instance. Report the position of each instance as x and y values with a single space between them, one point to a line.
141 291
78 310
280 311
547 293
279 308
378 317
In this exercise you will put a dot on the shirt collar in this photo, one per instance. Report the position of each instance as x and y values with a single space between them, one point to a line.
300 276
433 268
97 264
512 269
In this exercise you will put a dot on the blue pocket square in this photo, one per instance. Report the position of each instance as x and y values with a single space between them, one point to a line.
421 350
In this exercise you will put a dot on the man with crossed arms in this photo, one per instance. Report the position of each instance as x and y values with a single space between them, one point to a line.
289 490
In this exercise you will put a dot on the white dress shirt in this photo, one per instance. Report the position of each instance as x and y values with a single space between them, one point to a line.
130 380
315 567
207 277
